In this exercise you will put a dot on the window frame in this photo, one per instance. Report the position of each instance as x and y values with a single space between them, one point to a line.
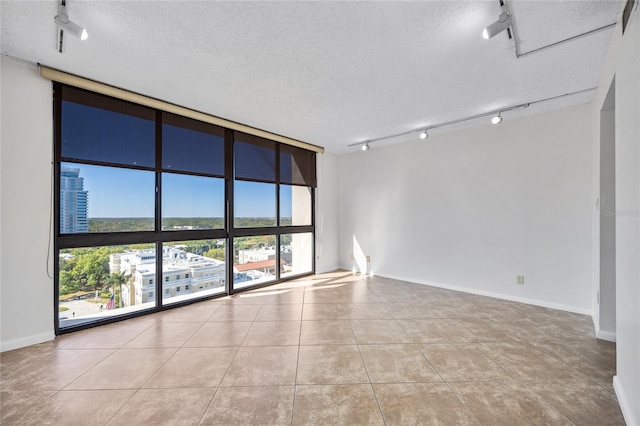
159 236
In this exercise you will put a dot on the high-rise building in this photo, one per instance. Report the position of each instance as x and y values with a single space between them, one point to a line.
73 202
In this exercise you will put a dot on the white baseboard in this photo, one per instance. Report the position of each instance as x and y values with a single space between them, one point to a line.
609 336
625 407
605 335
26 341
332 268
528 301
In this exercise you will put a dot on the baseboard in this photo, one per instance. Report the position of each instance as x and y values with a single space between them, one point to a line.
625 407
329 269
605 335
528 301
26 341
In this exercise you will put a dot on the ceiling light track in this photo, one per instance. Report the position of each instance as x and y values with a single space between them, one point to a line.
366 145
566 40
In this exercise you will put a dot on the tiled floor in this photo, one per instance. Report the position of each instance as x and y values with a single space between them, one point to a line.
330 349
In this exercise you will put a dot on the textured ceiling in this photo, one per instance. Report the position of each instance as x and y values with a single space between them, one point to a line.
328 73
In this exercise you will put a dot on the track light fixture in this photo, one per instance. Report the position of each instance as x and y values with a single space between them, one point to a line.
496 118
66 25
504 21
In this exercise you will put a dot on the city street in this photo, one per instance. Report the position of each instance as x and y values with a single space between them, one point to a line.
80 307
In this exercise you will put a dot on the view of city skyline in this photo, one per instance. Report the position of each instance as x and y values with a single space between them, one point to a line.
126 193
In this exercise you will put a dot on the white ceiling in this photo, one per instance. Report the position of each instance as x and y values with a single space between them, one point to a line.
328 73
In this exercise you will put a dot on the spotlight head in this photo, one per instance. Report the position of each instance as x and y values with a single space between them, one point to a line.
62 21
497 119
365 147
424 134
504 21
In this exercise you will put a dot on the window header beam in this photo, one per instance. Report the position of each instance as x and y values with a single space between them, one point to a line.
105 89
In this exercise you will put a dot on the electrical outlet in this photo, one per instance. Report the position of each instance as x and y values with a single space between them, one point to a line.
353 257
520 279
368 259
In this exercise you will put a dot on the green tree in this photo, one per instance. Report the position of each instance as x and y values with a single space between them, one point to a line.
215 253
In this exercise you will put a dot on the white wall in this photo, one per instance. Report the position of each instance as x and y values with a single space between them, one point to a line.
472 209
26 146
623 64
327 219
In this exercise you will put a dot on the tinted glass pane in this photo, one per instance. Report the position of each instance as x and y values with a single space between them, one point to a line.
255 158
192 269
116 132
105 199
96 283
254 260
295 205
254 204
192 202
192 146
297 166
296 254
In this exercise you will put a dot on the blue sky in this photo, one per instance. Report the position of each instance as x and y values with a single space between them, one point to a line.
115 192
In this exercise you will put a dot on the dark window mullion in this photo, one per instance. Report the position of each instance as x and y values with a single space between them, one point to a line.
277 265
158 211
57 147
229 211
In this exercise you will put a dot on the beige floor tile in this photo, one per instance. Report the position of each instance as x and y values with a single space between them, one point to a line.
89 407
530 329
510 363
327 332
109 336
336 405
421 404
581 402
17 358
522 360
171 407
397 364
378 331
367 311
268 296
594 359
335 364
431 331
481 330
263 366
236 313
463 362
258 405
507 403
273 333
193 368
324 311
414 310
219 333
280 313
125 369
342 294
53 371
20 407
396 295
197 312
164 335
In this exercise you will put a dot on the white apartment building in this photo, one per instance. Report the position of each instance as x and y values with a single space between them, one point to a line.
182 273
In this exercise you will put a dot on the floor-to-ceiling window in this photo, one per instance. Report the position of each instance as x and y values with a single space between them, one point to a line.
155 209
